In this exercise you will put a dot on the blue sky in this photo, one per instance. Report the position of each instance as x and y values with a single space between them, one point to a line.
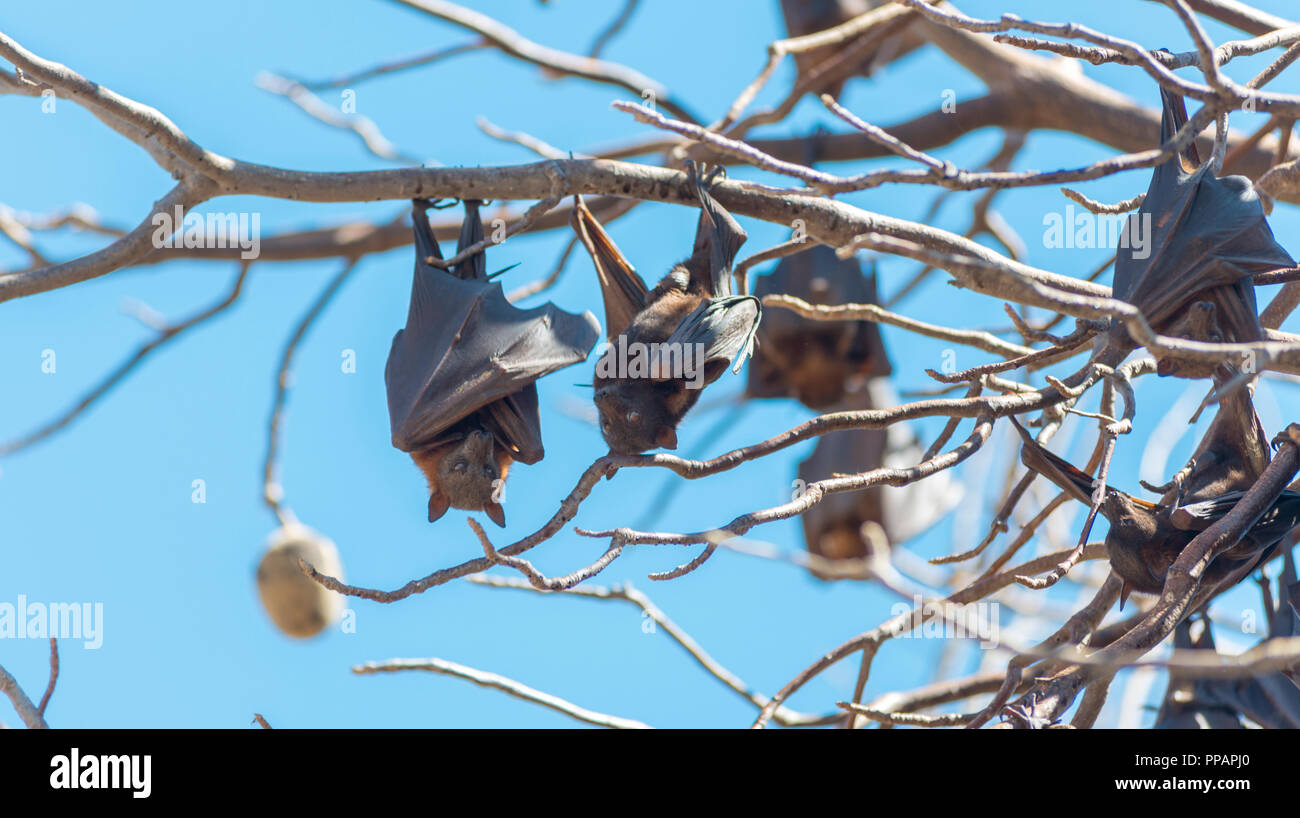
102 511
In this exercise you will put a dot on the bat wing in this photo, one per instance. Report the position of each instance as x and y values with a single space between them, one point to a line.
721 329
465 347
623 291
718 237
766 377
817 275
869 345
1280 518
1201 231
471 233
1291 614
515 423
1075 482
1201 515
832 528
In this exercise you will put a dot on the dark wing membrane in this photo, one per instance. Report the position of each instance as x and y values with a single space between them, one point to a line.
1163 203
1190 703
766 377
1203 514
468 348
1075 482
817 275
1280 518
1220 237
832 528
869 345
471 233
1204 232
721 234
623 291
721 328
516 424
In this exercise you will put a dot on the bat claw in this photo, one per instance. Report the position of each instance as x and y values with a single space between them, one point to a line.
1291 434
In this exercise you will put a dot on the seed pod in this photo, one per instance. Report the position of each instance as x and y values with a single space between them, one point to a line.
298 605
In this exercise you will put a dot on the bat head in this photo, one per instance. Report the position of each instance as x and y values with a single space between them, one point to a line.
636 415
467 474
1134 537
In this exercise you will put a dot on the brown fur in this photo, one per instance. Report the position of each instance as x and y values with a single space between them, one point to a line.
485 467
637 414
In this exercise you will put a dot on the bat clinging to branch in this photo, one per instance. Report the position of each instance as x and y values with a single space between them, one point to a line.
668 343
462 397
1204 239
815 361
1145 538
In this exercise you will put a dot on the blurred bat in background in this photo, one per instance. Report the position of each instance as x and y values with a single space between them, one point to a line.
461 375
815 361
666 344
833 529
809 16
1270 699
1190 703
1145 538
1187 257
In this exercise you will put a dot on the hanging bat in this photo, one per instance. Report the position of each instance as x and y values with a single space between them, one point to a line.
668 343
1145 538
832 529
814 361
461 376
1271 699
1191 703
804 17
1205 238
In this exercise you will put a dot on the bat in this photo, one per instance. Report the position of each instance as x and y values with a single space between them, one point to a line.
814 361
461 375
667 343
1270 699
1205 238
1145 538
832 529
804 17
1191 703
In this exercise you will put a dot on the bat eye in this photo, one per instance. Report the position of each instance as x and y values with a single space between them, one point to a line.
604 426
459 465
633 416
487 470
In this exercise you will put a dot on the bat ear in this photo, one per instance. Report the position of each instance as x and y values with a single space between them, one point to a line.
438 505
666 437
495 513
714 369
